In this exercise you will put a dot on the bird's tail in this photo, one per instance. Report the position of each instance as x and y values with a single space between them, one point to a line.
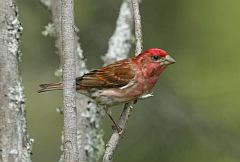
50 87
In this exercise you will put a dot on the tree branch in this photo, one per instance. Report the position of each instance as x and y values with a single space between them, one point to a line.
138 27
112 144
89 118
114 140
69 88
14 142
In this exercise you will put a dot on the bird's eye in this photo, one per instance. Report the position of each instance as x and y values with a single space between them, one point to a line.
155 58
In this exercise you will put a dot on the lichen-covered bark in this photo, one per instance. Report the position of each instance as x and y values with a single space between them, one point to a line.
89 133
14 143
138 27
89 118
69 83
120 42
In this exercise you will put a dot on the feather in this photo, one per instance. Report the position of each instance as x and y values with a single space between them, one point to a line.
115 75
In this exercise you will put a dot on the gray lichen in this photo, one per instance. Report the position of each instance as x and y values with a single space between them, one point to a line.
30 145
95 146
49 30
81 67
93 114
17 97
90 133
47 3
14 31
13 135
121 40
58 72
17 108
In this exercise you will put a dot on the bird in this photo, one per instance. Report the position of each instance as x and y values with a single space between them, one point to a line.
123 81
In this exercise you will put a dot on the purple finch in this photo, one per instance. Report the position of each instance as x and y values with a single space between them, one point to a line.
122 81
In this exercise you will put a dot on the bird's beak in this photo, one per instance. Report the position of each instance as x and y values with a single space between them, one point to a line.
169 60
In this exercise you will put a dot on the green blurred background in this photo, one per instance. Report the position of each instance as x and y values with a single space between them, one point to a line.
194 115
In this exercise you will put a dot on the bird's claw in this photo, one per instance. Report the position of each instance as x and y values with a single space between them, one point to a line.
117 128
146 95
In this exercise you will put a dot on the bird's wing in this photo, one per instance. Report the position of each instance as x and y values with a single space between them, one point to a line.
115 75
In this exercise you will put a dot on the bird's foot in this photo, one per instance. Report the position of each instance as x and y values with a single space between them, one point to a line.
146 95
117 128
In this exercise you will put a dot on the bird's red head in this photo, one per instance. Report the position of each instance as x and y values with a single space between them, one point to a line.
157 56
152 63
156 51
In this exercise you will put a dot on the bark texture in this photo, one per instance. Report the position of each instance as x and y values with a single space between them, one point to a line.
89 133
14 143
138 27
120 42
69 88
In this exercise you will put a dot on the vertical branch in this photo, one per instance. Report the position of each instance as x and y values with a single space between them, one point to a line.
69 88
14 143
138 27
89 117
112 144
89 133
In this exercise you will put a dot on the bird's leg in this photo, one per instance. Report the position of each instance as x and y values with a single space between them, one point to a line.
115 125
135 101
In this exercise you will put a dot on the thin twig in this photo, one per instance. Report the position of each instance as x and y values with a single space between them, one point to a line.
112 144
138 27
114 140
69 89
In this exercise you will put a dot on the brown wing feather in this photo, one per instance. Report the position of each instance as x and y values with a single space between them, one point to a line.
112 76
